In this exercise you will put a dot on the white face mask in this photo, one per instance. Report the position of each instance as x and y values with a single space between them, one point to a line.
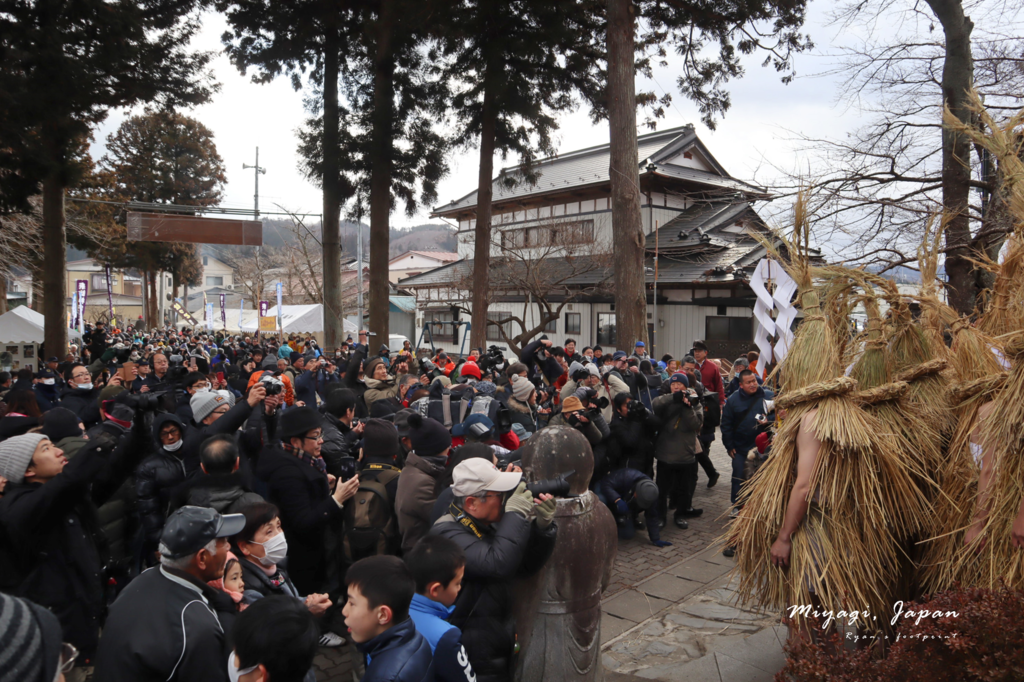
48 382
234 674
175 446
205 389
276 549
85 387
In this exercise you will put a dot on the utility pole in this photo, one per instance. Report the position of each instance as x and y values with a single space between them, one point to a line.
359 256
256 207
256 171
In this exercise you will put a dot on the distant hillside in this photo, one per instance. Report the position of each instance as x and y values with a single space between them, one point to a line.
429 237
423 238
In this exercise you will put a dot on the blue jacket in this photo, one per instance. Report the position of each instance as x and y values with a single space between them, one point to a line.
399 654
451 662
734 385
739 423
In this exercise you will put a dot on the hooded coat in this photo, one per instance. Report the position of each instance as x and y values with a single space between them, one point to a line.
82 402
156 477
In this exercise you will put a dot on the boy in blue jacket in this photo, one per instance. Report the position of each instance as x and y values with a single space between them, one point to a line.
437 565
380 589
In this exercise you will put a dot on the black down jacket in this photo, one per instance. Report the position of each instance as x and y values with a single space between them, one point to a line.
155 478
483 611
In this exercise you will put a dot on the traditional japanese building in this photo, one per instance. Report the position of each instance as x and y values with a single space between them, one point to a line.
555 233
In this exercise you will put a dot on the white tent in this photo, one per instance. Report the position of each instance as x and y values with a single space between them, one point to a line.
21 332
24 325
298 319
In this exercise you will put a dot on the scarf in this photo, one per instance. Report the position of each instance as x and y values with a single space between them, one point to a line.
316 463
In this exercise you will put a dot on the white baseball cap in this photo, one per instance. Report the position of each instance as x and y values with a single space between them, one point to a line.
477 475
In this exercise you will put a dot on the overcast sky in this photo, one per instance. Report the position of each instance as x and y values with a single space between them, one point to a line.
244 115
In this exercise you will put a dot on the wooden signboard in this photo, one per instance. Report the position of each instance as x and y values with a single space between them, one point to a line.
268 324
164 227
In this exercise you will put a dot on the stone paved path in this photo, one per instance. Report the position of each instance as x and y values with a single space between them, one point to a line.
647 581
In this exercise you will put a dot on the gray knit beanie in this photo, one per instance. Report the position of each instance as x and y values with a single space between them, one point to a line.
16 454
521 388
203 404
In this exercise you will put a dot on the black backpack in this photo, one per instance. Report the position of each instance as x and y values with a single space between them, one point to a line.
371 527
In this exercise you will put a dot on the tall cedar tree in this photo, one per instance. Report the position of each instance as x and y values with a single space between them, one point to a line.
292 38
162 157
63 66
515 64
957 80
692 28
393 152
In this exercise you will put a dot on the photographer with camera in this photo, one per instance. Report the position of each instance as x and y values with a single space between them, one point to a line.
537 356
341 433
627 492
489 518
680 414
585 419
633 428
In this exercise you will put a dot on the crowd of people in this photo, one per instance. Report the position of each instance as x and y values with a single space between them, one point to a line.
181 505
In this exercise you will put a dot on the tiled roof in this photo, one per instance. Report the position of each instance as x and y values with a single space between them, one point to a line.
443 256
590 167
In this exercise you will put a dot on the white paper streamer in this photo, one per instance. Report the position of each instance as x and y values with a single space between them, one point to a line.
780 299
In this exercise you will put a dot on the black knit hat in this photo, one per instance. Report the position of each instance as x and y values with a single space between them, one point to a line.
380 441
298 421
383 409
428 436
60 422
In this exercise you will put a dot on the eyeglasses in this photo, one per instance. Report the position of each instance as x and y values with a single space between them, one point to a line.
318 436
68 654
81 375
201 384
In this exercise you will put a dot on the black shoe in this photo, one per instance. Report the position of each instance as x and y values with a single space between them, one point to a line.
729 552
681 523
638 523
661 523
690 513
712 480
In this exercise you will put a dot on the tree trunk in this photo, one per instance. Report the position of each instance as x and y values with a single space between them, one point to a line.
154 302
957 78
482 233
55 334
333 317
3 293
381 168
627 222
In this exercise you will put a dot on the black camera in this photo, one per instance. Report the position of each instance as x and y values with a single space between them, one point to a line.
636 411
272 384
557 486
159 401
595 402
508 457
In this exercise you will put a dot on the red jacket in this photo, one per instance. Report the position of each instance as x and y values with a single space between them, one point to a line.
712 379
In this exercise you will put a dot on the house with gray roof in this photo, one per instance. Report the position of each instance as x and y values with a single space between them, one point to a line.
555 219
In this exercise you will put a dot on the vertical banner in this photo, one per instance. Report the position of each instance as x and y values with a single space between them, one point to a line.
223 312
264 306
209 316
82 288
73 318
280 297
265 324
110 298
241 305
